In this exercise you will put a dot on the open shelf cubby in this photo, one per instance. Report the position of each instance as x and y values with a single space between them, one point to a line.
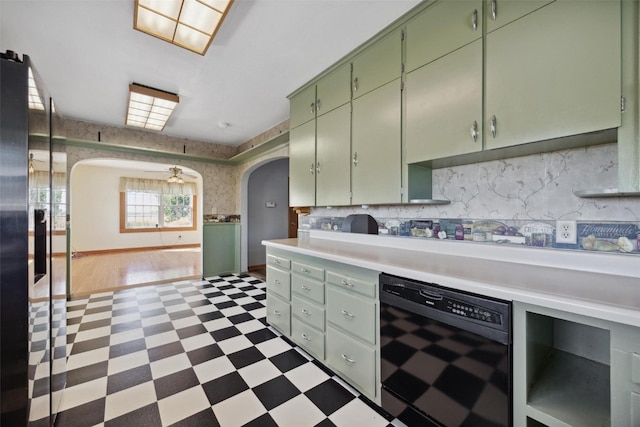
568 373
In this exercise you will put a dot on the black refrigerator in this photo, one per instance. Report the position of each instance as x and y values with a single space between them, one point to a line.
32 317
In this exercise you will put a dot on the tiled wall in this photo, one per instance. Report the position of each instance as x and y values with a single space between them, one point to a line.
531 191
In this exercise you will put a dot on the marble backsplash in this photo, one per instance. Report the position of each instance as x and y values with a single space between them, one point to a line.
522 193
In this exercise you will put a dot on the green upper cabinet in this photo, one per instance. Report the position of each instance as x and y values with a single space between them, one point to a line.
313 122
302 165
302 107
553 73
333 90
440 29
502 12
333 149
444 106
377 64
376 148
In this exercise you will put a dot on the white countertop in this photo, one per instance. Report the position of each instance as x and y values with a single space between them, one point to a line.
606 286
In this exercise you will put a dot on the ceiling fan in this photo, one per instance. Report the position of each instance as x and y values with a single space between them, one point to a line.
176 175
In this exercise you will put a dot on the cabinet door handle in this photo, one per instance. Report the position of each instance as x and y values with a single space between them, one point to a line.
355 84
312 169
347 283
304 270
474 20
276 312
474 131
276 260
494 126
347 314
305 337
312 108
306 312
494 9
318 105
355 159
318 168
305 288
276 282
347 358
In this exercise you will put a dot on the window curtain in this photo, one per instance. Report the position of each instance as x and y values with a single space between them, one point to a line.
159 186
40 179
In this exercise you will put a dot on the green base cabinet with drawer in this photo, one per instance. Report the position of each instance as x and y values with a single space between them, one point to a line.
220 249
330 310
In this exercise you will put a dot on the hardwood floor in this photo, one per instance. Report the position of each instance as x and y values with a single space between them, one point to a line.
91 273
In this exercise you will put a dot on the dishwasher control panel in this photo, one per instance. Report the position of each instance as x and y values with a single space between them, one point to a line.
473 311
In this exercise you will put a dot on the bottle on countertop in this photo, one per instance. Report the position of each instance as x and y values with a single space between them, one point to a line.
459 232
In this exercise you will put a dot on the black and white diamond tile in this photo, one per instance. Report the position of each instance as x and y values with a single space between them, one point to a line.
196 354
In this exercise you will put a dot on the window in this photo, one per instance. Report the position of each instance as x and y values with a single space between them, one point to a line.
40 198
148 205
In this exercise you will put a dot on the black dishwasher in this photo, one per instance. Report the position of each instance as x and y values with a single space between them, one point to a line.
445 355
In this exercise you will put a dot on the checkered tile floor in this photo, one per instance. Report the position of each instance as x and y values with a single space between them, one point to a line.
196 354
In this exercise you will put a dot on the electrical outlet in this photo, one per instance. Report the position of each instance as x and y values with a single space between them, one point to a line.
566 232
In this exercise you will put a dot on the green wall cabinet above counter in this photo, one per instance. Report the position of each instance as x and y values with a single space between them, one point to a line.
553 73
456 82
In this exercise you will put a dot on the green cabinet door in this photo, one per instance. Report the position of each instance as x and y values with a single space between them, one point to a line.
441 29
375 146
553 73
444 106
501 12
333 90
220 249
302 107
333 145
302 164
378 64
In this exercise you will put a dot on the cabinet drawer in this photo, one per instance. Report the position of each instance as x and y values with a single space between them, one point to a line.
352 313
278 314
279 262
308 338
309 313
307 270
364 287
279 282
354 360
309 288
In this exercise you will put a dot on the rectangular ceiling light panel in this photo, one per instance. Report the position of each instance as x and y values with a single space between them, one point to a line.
35 100
149 108
190 24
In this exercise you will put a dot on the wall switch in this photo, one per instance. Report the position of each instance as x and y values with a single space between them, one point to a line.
566 232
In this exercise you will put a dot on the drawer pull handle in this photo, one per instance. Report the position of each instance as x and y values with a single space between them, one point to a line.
304 270
277 313
347 358
276 281
305 288
346 313
277 261
306 312
347 283
305 337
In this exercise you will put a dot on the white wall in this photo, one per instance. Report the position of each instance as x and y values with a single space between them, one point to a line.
95 213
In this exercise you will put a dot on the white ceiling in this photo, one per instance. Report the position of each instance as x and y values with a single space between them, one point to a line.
87 53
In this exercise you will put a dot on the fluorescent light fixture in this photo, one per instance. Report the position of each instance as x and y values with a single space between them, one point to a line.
149 108
191 24
35 100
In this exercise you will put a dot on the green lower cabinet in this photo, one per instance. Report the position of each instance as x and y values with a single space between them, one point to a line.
220 249
352 359
552 73
375 146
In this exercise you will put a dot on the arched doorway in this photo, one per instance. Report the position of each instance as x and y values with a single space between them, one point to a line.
107 253
265 209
